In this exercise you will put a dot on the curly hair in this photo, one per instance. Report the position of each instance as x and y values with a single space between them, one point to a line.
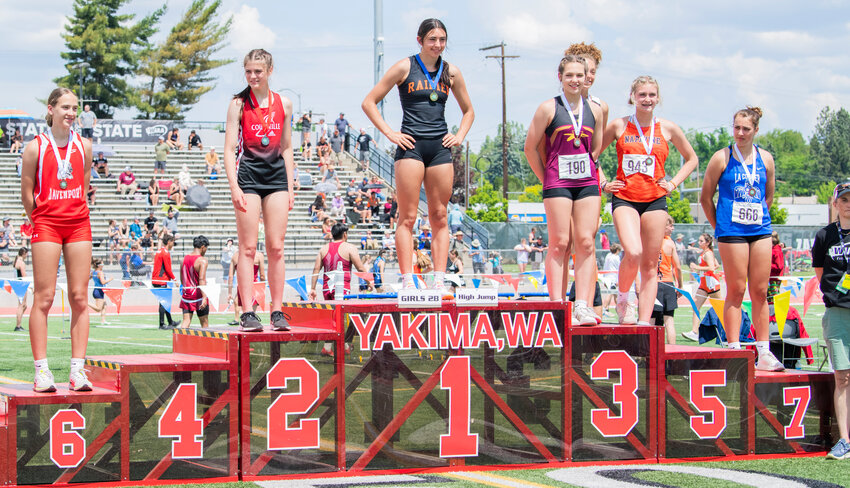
585 51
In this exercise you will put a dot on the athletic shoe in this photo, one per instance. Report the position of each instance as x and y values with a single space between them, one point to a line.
626 313
691 336
280 321
44 381
167 327
19 329
233 322
249 322
78 381
643 323
584 315
445 292
768 362
841 450
409 284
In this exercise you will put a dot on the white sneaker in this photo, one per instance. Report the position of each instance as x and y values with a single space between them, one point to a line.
768 362
78 381
626 313
585 315
44 381
409 284
445 292
691 336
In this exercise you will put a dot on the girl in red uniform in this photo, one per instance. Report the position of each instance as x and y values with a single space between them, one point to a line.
54 184
639 203
260 177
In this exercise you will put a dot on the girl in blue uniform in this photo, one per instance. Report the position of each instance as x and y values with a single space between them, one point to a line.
744 175
424 141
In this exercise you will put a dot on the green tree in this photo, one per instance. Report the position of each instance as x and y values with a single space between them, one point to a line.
705 144
824 191
792 162
179 69
606 216
533 193
679 208
110 43
830 145
491 149
487 205
778 214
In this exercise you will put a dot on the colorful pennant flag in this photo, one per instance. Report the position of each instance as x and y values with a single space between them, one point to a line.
260 294
19 288
213 293
115 296
809 293
717 305
300 286
781 303
163 296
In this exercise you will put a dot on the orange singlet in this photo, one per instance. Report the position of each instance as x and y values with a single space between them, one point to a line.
665 265
633 164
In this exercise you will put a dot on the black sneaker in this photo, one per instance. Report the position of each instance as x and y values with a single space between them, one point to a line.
166 327
19 329
233 322
249 322
280 321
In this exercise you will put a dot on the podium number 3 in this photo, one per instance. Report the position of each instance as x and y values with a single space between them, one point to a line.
624 396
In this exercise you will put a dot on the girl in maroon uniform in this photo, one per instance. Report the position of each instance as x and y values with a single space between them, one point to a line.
258 133
54 184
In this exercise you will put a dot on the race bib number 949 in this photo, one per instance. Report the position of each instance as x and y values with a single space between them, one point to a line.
639 163
747 213
573 166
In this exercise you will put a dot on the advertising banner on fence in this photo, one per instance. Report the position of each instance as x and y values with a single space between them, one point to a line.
106 131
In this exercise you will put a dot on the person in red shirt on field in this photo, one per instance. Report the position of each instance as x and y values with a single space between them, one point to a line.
162 274
54 182
193 275
777 267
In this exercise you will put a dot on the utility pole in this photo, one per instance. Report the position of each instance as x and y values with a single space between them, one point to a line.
501 57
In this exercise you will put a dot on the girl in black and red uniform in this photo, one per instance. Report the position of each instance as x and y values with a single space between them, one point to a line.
54 184
259 129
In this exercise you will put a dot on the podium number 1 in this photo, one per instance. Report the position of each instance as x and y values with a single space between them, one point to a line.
459 442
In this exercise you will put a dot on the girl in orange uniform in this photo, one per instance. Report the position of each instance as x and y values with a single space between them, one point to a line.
639 203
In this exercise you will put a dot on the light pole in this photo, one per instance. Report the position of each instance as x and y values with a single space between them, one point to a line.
82 65
296 94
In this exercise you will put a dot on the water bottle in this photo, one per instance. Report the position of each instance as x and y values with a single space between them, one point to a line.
339 282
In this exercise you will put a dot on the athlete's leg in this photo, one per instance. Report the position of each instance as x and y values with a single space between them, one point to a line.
247 225
700 296
409 174
187 319
627 222
438 190
276 205
77 265
670 329
585 214
758 279
45 262
651 234
19 315
558 216
735 255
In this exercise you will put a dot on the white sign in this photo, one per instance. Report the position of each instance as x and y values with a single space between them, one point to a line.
414 298
477 296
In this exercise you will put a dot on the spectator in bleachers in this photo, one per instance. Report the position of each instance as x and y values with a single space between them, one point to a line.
477 256
127 184
173 139
17 142
362 209
336 142
363 142
330 178
26 233
425 237
184 179
390 214
342 126
323 150
337 207
296 176
306 123
195 141
327 225
91 195
455 218
124 261
7 238
100 166
352 192
135 230
226 257
151 223
146 244
369 243
19 165
373 203
212 162
161 151
176 193
169 224
322 130
388 243
317 208
139 269
123 233
112 239
153 192
307 149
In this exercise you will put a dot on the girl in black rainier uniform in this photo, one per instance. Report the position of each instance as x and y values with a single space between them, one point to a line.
423 155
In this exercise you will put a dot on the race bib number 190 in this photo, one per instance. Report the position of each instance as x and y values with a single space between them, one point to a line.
639 163
573 166
747 213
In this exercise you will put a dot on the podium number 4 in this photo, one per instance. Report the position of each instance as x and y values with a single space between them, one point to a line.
179 420
67 446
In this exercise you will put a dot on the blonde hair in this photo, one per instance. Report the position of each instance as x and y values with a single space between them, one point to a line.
643 80
752 113
571 58
670 219
585 51
53 100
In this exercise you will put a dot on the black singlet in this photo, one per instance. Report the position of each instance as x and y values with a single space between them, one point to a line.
422 117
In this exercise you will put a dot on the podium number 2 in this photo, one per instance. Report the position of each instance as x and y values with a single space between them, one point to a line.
624 396
459 442
180 420
67 446
306 434
707 404
799 396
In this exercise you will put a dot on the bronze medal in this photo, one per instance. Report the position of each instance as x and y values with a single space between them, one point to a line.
63 184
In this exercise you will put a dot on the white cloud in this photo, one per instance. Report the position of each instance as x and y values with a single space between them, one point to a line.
248 32
789 41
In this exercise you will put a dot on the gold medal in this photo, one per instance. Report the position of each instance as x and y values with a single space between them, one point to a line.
433 96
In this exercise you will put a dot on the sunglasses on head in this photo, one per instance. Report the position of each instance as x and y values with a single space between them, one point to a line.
840 188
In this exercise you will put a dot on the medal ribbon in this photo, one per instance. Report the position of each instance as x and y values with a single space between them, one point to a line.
431 82
751 177
576 123
64 164
264 116
647 144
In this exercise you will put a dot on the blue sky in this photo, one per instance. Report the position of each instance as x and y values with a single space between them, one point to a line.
711 58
